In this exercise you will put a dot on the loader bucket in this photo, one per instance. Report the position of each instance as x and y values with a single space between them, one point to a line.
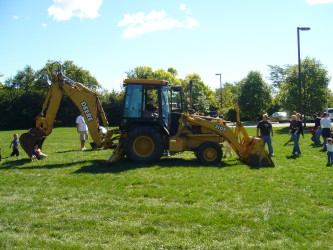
255 153
31 138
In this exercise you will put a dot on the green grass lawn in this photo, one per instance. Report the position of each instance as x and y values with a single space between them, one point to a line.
70 201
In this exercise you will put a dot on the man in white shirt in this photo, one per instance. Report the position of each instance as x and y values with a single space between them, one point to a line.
326 126
82 129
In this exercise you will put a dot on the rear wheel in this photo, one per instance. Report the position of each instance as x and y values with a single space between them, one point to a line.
209 153
144 144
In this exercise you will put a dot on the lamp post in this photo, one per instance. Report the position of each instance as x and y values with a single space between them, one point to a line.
299 69
220 87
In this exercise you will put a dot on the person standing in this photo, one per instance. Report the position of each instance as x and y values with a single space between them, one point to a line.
326 127
266 130
318 129
15 144
329 147
296 129
82 129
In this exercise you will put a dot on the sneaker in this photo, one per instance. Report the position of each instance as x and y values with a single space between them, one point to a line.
272 155
82 149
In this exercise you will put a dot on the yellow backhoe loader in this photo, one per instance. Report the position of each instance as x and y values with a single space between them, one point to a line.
87 102
146 132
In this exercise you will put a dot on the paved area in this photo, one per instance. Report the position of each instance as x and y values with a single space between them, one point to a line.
274 124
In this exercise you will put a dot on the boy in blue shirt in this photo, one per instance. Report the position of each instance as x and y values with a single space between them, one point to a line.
15 144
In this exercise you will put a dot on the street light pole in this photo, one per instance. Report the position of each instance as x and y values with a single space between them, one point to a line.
220 87
299 69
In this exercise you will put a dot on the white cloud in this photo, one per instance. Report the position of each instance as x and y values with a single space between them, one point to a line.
62 10
15 17
183 6
141 23
319 1
44 25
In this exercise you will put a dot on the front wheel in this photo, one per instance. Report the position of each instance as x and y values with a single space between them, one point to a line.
144 144
209 153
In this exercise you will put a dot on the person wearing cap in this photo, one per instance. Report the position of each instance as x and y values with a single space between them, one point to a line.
266 130
326 126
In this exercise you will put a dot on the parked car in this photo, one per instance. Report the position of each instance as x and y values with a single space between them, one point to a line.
279 117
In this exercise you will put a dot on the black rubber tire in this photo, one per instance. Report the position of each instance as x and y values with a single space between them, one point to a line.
144 144
209 153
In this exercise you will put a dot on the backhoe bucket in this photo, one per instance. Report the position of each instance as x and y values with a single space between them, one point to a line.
118 154
255 153
30 139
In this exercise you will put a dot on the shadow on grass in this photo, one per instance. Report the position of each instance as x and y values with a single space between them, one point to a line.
126 165
19 164
292 157
14 163
68 151
285 131
97 167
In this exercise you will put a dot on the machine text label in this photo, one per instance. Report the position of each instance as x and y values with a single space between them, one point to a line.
87 111
220 127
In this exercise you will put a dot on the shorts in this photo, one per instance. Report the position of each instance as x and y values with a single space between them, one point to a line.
83 135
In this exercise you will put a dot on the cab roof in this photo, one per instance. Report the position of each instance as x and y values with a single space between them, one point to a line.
146 81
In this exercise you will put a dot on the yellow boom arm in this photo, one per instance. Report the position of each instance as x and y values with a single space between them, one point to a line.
85 99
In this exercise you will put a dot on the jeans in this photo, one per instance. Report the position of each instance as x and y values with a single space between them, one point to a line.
317 137
296 148
329 157
268 140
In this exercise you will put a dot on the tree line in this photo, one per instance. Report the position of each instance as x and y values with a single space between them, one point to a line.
22 95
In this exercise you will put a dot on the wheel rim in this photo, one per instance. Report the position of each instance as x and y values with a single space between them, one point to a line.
210 154
143 146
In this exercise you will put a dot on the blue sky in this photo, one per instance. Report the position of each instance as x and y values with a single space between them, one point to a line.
110 37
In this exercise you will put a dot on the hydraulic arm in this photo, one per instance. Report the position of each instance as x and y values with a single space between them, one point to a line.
85 99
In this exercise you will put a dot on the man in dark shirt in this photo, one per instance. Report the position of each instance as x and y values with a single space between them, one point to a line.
266 129
150 105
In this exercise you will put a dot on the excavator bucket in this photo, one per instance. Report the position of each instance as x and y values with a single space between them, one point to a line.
255 153
118 154
30 139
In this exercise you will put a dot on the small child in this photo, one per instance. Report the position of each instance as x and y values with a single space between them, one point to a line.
293 125
329 147
228 149
15 144
38 153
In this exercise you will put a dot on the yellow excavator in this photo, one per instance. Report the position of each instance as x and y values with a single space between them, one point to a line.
147 131
87 102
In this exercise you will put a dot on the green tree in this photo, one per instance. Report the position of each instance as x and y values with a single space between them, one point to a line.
24 79
141 72
200 91
230 94
315 93
173 71
255 96
1 84
161 74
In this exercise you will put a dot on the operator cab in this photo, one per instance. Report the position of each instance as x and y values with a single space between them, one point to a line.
149 102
